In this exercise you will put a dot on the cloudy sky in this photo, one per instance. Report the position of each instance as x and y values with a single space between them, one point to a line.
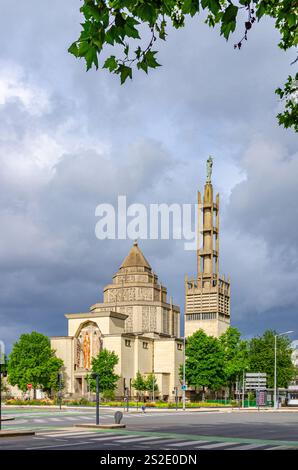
70 140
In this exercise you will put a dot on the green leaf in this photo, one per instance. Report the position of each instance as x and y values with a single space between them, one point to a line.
230 14
213 5
190 7
131 31
142 65
110 63
292 19
73 49
91 58
147 12
150 59
84 47
228 21
125 72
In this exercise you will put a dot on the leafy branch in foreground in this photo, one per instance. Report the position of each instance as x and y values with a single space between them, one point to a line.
125 24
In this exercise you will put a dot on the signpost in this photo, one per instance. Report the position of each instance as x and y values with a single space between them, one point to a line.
176 397
261 398
2 371
59 378
96 377
256 381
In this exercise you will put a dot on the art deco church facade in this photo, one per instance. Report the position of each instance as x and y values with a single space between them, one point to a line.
135 321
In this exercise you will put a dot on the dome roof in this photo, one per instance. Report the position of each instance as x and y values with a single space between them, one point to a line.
135 258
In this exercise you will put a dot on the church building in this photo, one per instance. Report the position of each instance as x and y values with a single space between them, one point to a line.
136 321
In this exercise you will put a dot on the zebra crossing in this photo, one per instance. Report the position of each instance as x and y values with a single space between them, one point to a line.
38 419
159 442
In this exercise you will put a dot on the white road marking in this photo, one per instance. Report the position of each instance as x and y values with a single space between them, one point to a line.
186 443
217 445
59 445
139 439
105 438
282 448
69 434
249 446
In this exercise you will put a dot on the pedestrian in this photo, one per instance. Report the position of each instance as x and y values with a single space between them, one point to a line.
143 408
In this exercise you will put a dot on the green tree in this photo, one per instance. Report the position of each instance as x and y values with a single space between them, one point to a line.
139 383
151 384
33 361
104 365
261 358
126 23
235 355
204 365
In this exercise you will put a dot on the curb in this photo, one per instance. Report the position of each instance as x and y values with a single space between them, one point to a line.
100 426
16 433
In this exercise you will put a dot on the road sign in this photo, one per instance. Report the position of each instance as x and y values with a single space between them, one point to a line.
255 374
29 386
261 398
256 381
184 387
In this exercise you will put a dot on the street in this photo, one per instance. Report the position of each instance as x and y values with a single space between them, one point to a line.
162 430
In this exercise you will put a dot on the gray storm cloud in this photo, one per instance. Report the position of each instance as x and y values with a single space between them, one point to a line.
71 140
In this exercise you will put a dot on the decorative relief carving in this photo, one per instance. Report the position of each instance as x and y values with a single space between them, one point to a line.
145 319
153 319
129 321
156 295
145 293
165 321
176 316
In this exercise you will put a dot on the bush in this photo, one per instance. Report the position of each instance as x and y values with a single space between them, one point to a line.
108 395
17 401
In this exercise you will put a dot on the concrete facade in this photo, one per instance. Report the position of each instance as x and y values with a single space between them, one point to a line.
136 321
207 297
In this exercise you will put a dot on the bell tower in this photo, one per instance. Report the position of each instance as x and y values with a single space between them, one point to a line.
207 297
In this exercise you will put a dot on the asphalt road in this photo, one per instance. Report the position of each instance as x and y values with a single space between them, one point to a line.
154 430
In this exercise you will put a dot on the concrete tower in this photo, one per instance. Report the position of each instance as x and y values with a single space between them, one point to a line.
207 298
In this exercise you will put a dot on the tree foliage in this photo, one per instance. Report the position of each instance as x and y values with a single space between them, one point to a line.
133 27
261 358
235 355
139 383
151 383
33 361
104 365
204 365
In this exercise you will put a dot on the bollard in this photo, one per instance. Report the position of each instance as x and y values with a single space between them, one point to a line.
118 417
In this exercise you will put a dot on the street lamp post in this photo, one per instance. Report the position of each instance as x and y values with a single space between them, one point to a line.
153 386
0 394
60 389
184 385
96 377
275 365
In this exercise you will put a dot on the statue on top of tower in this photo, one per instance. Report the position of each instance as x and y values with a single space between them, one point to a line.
209 165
